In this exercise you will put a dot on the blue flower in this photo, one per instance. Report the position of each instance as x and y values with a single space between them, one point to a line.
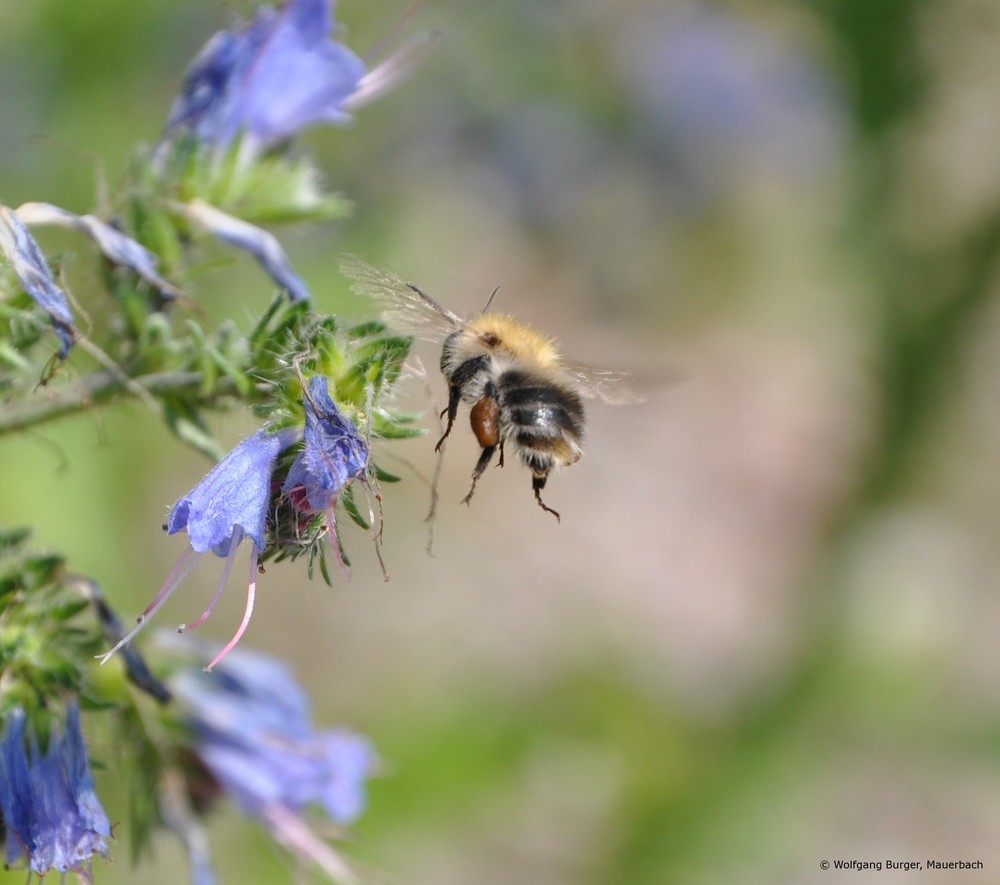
726 96
51 813
333 455
254 733
232 502
268 80
334 452
32 270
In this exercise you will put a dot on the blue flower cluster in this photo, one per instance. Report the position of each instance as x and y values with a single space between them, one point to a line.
51 813
249 91
235 498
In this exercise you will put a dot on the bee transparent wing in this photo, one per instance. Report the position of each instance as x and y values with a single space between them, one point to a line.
614 388
402 305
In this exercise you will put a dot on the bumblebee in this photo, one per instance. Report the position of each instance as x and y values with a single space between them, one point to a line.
523 395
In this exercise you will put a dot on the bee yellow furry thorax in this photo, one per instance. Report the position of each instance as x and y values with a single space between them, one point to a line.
515 338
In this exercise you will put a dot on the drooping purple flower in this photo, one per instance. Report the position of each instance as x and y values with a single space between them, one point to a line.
334 452
254 733
52 816
229 504
233 497
258 242
32 270
119 247
269 79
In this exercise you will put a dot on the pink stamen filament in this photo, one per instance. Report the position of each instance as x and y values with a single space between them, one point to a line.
387 75
234 542
238 635
292 831
177 574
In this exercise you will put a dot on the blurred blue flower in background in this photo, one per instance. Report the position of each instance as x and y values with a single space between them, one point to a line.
51 814
32 271
232 502
254 733
725 95
269 79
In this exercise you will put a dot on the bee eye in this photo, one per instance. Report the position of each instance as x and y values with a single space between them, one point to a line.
489 339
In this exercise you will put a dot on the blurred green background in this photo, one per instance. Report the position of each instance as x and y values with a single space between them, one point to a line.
764 634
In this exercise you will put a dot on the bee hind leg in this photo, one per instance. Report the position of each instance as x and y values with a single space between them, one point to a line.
537 484
484 461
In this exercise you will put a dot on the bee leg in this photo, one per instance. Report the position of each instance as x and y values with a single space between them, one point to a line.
481 465
500 462
538 483
454 398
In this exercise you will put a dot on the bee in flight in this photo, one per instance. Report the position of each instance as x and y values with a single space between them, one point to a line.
523 395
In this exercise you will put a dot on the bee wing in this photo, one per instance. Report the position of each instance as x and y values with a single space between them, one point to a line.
614 388
401 304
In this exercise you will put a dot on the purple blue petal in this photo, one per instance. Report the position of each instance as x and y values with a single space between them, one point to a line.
254 732
258 242
233 496
32 271
269 79
51 813
334 452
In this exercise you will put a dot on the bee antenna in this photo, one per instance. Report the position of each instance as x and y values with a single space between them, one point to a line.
489 300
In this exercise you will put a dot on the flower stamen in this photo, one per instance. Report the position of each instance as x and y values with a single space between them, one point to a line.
238 635
234 543
177 574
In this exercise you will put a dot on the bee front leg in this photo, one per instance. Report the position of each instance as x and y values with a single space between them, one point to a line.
484 461
454 398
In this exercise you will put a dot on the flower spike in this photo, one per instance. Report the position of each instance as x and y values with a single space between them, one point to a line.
52 815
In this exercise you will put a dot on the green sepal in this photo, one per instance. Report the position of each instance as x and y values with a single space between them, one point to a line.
273 188
384 475
351 508
393 426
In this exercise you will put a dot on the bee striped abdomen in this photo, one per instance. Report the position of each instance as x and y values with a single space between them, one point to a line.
544 419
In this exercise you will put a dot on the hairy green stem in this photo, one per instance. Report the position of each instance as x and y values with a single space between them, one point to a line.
95 389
